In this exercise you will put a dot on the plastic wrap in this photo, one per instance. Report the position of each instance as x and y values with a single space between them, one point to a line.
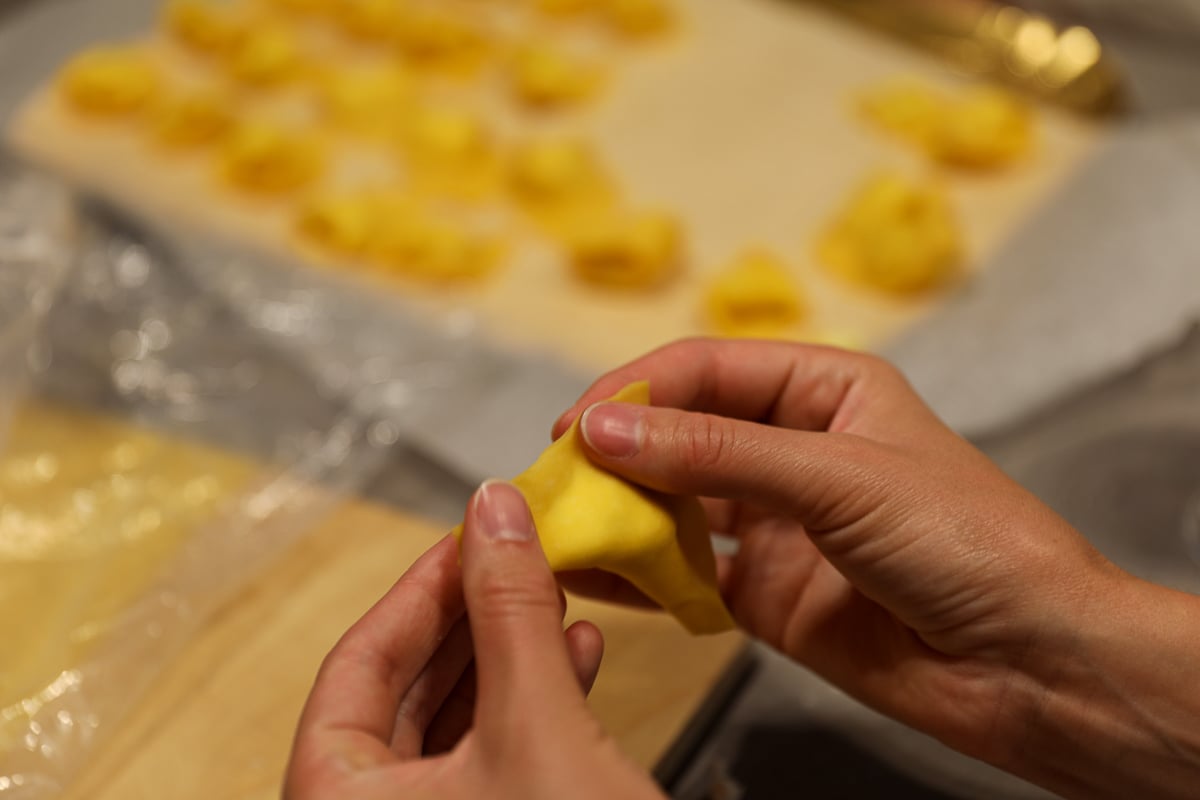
167 433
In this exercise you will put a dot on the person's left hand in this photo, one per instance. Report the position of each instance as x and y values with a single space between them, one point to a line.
395 711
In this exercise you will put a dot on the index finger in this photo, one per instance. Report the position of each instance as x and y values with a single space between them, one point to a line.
786 384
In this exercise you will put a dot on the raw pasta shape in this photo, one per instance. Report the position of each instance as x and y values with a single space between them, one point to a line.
754 296
192 118
544 75
205 26
639 18
560 184
981 128
588 518
265 159
896 235
109 81
267 57
626 250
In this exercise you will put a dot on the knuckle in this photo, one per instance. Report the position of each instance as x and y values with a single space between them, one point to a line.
308 776
690 345
706 442
883 371
861 460
875 365
885 377
505 593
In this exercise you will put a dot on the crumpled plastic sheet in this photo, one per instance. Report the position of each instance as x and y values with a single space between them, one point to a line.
194 346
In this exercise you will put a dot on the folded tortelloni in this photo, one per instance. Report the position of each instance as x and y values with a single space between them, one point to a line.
588 518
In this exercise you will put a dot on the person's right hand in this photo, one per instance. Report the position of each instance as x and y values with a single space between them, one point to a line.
883 551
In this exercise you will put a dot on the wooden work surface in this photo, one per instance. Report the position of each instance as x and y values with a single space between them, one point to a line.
220 721
743 123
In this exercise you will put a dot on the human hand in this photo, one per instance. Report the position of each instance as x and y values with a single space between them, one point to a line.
395 711
883 551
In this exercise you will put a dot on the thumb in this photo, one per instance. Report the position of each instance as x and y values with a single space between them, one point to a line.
826 480
523 666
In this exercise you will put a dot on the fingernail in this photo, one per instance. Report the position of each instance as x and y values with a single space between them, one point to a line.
560 423
613 429
501 512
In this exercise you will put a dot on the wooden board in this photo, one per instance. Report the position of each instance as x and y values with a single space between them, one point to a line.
95 509
92 509
220 722
742 124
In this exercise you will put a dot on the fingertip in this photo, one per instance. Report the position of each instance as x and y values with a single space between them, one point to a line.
585 644
507 581
563 423
725 571
515 609
445 545
604 387
498 512
614 430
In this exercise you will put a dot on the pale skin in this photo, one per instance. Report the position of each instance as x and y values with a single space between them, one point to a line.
876 547
413 702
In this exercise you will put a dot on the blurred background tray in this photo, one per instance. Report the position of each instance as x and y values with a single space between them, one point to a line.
743 123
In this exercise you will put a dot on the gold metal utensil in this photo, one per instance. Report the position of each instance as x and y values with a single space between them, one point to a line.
1065 65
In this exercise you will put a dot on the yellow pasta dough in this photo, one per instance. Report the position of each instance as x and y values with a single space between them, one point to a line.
109 81
625 249
564 8
392 230
906 108
206 26
447 137
558 181
451 152
588 518
268 159
424 248
543 74
894 234
639 18
190 118
368 100
339 223
439 41
370 20
754 296
267 56
982 127
306 7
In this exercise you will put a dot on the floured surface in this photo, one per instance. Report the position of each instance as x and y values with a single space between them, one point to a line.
743 124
